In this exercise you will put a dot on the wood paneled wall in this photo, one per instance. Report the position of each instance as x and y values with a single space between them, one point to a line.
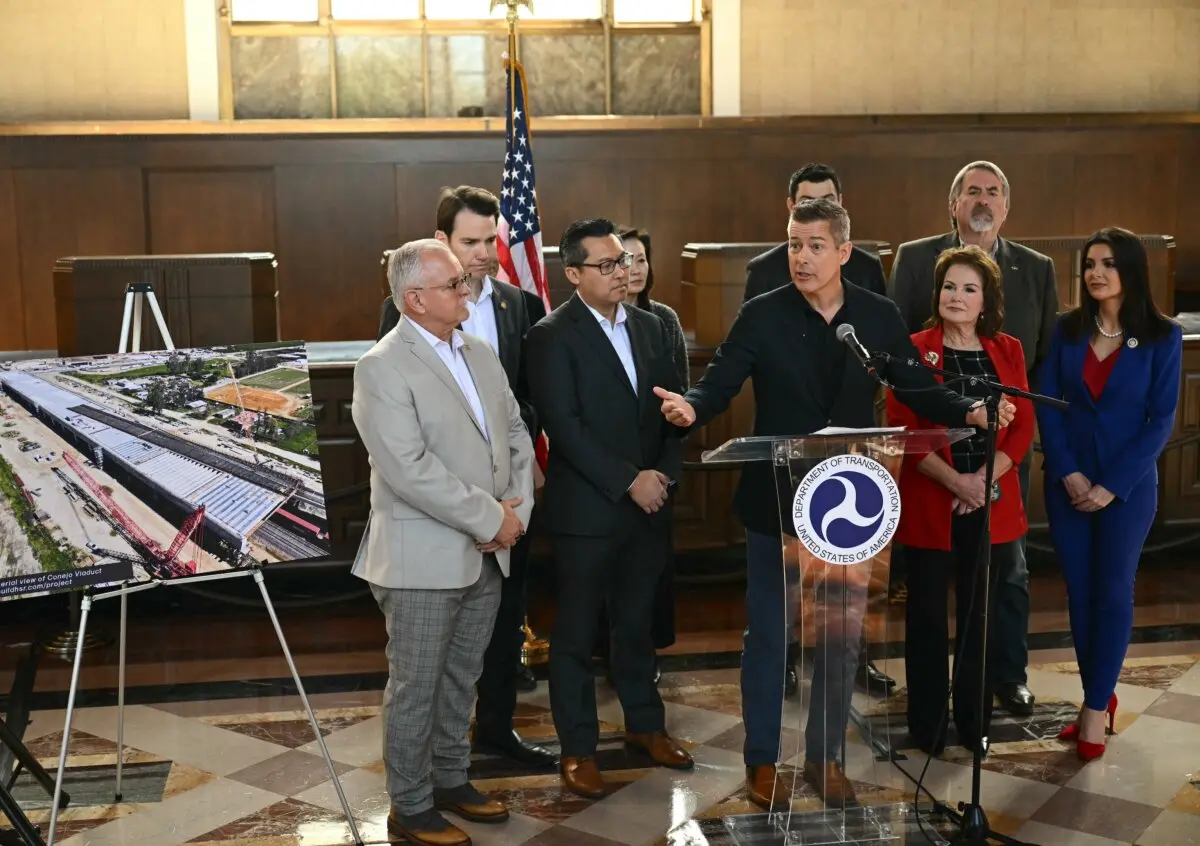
328 204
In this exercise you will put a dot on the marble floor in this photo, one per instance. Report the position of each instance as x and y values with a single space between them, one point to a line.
246 771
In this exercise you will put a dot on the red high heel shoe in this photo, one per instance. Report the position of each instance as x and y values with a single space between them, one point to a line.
1071 732
1091 751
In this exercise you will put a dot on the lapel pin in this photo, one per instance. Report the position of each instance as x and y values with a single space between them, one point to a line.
932 358
1132 343
503 305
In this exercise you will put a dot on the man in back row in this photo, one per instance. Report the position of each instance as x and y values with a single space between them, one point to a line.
978 206
768 271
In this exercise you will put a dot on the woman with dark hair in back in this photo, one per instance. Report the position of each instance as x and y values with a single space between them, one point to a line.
1116 359
641 282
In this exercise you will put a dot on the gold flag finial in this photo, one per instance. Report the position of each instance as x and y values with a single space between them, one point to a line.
512 5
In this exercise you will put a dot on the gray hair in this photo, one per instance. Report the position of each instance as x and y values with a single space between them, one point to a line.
815 209
405 267
957 185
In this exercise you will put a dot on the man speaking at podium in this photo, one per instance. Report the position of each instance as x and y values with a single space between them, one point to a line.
804 379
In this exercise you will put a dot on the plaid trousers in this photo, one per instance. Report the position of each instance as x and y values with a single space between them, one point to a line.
436 641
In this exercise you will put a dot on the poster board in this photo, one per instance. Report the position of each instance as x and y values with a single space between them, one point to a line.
156 465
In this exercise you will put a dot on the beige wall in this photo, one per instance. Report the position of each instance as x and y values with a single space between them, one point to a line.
92 60
953 56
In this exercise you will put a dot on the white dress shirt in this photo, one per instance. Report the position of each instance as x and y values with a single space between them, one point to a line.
618 336
451 354
481 319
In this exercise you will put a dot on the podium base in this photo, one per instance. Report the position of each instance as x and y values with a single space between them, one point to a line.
874 825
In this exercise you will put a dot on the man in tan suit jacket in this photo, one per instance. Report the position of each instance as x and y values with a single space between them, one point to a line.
451 492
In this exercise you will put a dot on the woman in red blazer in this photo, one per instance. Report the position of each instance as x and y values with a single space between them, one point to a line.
942 495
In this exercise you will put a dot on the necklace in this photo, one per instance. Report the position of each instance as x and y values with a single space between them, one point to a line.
1100 329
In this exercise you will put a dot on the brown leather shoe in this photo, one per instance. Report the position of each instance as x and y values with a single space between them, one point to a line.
764 788
830 782
469 803
662 749
428 828
582 777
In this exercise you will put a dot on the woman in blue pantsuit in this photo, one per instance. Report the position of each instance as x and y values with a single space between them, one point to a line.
1116 360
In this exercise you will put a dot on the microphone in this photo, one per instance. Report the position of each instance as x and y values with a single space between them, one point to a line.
845 334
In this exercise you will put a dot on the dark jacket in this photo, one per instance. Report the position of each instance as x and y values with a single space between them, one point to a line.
516 311
601 434
768 271
1114 441
777 342
679 354
1030 292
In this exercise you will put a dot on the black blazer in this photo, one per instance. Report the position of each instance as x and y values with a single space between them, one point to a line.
768 271
601 434
777 342
516 311
1030 292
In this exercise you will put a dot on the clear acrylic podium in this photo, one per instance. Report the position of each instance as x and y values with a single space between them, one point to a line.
839 501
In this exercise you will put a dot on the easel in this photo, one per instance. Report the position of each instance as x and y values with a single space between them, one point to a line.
124 592
134 295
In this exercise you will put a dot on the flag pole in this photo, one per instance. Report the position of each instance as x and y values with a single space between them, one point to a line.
534 650
513 18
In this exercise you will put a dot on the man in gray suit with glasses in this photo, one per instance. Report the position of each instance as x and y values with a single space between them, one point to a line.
451 493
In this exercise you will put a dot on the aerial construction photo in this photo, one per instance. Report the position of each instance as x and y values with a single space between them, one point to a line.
156 465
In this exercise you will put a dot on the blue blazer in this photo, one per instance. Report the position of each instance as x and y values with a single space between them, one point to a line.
1114 441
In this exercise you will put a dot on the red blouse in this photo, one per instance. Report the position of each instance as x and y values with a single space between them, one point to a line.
1095 371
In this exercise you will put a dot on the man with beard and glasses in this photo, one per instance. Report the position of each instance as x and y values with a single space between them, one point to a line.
979 203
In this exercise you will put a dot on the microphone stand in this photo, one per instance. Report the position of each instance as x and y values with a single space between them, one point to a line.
974 829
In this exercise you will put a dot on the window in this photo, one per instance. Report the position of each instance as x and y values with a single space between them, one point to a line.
543 10
654 11
287 59
264 11
375 10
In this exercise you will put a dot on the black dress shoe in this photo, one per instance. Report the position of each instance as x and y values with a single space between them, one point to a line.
526 680
1016 698
511 746
872 679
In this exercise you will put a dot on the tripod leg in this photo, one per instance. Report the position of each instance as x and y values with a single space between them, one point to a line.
158 319
138 304
312 718
124 345
121 694
85 608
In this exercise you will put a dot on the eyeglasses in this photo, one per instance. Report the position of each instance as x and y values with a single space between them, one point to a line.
462 283
608 266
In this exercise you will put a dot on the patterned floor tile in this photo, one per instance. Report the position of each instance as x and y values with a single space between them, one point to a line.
291 729
1102 816
1187 800
288 822
546 799
288 774
1158 671
1176 706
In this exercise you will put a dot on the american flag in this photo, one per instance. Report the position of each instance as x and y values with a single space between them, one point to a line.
519 245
